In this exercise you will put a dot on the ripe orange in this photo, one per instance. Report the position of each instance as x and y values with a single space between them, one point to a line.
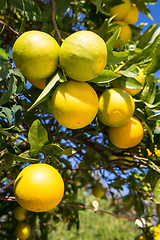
128 135
124 36
83 55
22 230
39 187
41 84
116 107
133 91
20 213
132 15
98 191
121 10
74 104
157 152
36 53
156 231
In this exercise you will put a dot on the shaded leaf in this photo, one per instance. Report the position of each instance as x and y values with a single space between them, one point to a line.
111 42
156 193
45 93
105 77
146 37
38 137
9 93
116 57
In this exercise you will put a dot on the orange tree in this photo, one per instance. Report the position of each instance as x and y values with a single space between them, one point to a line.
85 157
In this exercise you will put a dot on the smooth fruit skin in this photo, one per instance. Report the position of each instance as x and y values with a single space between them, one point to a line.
22 230
140 78
20 213
141 237
74 104
98 191
124 36
121 10
41 84
116 107
39 187
132 15
36 54
127 135
83 55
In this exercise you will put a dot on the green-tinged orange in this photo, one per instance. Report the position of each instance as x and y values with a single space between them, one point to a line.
36 54
20 213
83 55
74 104
116 107
98 191
22 230
41 84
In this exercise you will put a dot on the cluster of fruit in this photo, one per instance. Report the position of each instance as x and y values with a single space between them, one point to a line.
74 103
124 14
22 229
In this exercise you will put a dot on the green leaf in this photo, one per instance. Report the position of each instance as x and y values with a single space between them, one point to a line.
68 151
5 71
61 6
129 83
155 117
116 57
3 131
19 4
156 193
52 148
38 137
25 158
149 91
146 37
129 71
9 93
153 66
3 54
105 77
3 4
8 114
44 95
111 42
23 23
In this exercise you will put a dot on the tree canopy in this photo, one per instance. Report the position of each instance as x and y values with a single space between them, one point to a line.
29 133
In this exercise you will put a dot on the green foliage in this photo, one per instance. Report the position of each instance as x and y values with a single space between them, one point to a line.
30 134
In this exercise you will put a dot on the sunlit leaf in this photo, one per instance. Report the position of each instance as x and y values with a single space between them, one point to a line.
156 193
105 77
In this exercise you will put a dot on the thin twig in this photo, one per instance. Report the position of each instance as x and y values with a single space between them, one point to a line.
54 21
9 198
7 26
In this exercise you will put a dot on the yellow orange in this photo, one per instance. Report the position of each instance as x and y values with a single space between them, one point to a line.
98 191
128 135
20 213
132 15
116 107
22 230
121 10
74 104
41 84
39 187
124 36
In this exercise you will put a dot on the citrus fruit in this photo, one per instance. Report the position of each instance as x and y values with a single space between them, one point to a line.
121 10
128 135
156 230
98 191
41 84
36 53
124 36
74 104
20 213
141 237
156 152
39 187
83 55
132 15
22 230
116 107
133 91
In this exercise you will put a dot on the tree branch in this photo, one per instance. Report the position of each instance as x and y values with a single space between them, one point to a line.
7 26
54 21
